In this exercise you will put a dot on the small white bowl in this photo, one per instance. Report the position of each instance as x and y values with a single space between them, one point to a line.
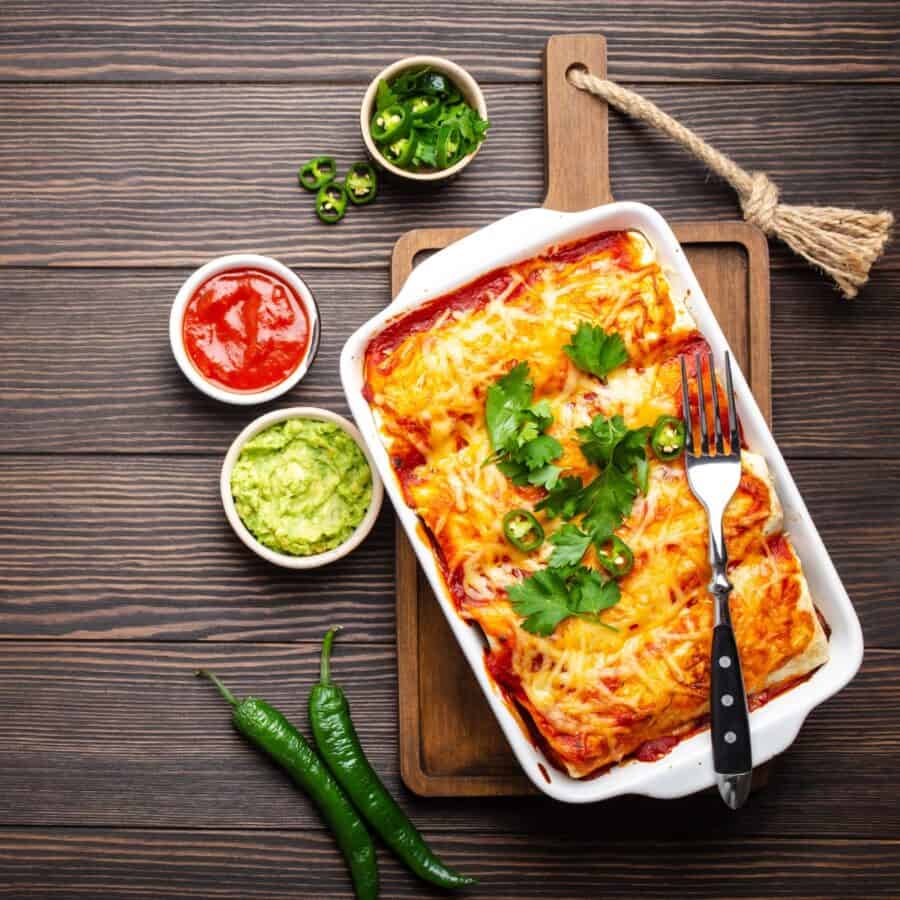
241 530
468 88
216 267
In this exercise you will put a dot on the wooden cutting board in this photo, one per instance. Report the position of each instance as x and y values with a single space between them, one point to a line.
450 743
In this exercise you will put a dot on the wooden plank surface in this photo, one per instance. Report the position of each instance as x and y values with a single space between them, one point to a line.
61 389
137 141
170 175
274 40
137 547
145 744
236 865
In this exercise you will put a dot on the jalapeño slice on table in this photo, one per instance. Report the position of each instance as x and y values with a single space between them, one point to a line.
331 202
361 183
317 173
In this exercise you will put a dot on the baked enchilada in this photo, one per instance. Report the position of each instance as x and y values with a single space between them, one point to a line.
527 418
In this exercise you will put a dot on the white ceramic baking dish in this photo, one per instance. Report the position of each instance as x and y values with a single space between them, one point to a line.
689 767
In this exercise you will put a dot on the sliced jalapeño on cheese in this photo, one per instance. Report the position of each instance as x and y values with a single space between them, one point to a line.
667 441
523 530
619 561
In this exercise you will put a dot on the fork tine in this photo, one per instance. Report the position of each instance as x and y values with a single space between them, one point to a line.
717 421
686 411
735 437
701 405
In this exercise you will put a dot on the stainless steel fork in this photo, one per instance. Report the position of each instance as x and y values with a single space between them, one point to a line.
713 476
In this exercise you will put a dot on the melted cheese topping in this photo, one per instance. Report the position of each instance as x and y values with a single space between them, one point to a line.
594 695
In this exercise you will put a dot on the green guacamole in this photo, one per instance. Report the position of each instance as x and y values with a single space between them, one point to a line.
302 486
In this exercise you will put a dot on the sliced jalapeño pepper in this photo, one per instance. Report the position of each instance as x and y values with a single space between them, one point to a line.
331 202
667 441
424 109
449 145
317 173
361 183
619 561
390 124
523 530
399 152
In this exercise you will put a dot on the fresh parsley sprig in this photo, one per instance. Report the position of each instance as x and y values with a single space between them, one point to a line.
552 595
595 351
517 430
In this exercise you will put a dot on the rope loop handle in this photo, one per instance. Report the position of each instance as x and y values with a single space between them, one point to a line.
843 243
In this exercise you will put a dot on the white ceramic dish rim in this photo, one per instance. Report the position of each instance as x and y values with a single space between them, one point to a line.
464 81
215 267
688 767
283 559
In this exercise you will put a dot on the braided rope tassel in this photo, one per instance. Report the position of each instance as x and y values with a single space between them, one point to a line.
843 243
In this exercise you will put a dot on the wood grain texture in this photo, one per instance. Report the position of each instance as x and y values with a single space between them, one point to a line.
64 365
129 548
51 864
177 137
138 547
576 140
170 175
232 41
105 734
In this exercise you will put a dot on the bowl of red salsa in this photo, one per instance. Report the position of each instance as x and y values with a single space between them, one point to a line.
244 328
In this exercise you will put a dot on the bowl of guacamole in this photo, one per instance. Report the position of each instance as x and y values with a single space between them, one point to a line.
299 487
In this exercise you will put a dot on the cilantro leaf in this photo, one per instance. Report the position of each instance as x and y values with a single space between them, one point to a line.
545 477
595 351
516 429
540 451
506 398
552 595
592 592
569 545
642 473
606 501
601 438
562 500
385 96
632 448
543 599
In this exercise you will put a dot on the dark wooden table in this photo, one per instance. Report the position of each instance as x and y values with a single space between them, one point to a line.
139 140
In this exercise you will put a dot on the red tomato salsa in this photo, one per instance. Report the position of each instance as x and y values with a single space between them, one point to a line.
245 330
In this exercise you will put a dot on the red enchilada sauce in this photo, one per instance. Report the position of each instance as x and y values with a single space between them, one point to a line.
245 330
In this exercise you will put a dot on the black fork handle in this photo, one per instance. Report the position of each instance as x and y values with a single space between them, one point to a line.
729 719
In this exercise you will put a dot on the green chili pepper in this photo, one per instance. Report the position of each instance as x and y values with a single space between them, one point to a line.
449 145
523 530
620 560
400 152
433 83
331 202
268 730
337 741
390 124
668 439
317 173
424 109
361 183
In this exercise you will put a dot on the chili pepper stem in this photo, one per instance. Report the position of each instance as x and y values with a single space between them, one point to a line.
202 673
325 665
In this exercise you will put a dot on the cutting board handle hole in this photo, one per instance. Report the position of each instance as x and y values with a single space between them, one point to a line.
576 67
